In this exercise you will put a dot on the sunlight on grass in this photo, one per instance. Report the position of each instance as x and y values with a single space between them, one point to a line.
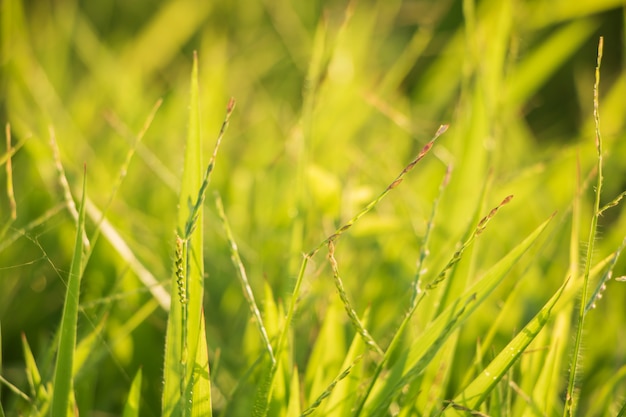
357 260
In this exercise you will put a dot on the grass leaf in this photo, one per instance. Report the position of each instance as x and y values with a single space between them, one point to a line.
64 369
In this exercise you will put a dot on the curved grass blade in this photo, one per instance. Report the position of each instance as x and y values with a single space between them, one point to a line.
63 373
478 390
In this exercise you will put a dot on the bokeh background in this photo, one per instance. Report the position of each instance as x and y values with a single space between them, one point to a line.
334 98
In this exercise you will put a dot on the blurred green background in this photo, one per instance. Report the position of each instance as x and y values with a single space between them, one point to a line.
333 99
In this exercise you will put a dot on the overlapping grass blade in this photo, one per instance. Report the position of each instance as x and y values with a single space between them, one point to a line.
409 364
64 369
477 391
243 277
419 294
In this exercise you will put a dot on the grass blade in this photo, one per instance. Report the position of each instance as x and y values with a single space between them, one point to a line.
63 373
476 392
185 311
187 383
131 409
570 400
329 390
411 363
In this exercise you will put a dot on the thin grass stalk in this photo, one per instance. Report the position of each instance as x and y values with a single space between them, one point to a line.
64 369
424 251
458 313
570 400
243 278
329 390
442 129
122 174
9 170
352 314
6 242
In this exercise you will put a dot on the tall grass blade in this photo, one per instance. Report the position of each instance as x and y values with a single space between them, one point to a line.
131 409
185 319
187 388
570 400
63 372
352 314
478 390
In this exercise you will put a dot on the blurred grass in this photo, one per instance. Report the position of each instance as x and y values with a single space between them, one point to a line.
334 99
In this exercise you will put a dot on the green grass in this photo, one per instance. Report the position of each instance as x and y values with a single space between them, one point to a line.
415 209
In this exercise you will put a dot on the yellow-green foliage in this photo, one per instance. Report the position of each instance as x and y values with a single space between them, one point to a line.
340 261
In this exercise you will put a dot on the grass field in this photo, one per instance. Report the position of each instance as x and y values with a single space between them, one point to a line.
342 208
